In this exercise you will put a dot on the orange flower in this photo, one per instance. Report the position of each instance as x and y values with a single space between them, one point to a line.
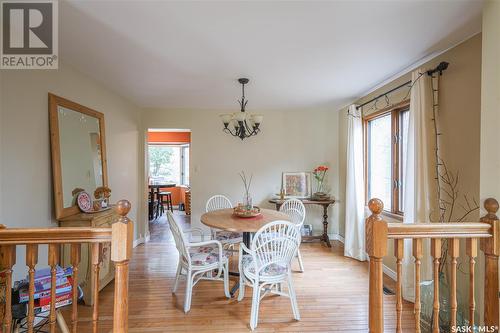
321 168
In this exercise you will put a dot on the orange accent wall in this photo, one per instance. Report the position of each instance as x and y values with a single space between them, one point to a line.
178 194
169 137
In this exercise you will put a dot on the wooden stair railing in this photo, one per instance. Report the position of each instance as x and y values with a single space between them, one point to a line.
119 235
378 232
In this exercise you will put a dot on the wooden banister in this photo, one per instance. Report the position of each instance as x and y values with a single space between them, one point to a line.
376 248
64 235
120 235
487 230
438 230
121 252
491 249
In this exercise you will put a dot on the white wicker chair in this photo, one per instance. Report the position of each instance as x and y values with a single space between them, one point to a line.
266 265
198 261
296 210
227 238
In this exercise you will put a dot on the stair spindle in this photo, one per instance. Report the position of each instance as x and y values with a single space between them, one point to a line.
399 254
75 261
471 251
53 262
96 262
454 245
31 261
8 260
436 254
417 253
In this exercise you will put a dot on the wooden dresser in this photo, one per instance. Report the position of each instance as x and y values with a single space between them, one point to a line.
85 273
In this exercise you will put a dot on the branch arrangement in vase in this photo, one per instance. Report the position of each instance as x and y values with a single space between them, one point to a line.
247 199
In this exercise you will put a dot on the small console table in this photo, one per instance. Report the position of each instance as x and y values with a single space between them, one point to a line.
325 204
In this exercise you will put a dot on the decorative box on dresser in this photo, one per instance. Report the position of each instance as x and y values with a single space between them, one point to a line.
101 219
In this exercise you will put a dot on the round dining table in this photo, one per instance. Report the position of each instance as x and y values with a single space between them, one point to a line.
224 219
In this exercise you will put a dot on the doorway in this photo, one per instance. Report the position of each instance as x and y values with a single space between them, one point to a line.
168 181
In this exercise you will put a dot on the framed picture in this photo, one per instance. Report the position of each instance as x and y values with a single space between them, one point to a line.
297 184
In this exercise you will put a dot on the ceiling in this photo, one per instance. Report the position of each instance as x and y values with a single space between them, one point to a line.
298 54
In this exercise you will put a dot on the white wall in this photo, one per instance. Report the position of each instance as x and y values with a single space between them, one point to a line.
289 141
490 102
25 170
490 114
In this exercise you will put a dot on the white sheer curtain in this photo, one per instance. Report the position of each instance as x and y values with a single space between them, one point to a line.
354 245
420 197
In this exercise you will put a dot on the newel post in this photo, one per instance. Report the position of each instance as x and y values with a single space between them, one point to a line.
491 248
376 247
121 252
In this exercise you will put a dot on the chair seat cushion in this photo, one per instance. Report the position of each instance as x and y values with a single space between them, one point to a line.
270 270
229 237
206 255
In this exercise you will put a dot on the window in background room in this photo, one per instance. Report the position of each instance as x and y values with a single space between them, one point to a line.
386 140
168 164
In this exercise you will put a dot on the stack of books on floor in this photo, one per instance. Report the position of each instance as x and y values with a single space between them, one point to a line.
42 295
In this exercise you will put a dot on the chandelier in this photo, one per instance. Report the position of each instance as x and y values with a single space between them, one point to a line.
241 124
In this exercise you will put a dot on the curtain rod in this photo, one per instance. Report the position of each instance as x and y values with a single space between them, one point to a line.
439 68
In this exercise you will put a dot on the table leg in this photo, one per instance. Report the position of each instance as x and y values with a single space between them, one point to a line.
325 237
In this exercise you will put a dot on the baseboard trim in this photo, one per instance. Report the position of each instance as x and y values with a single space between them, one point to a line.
148 238
337 237
138 242
390 273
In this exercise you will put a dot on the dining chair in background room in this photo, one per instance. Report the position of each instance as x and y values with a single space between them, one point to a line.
198 261
296 211
227 238
266 265
166 199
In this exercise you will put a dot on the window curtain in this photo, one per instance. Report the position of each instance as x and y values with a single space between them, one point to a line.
420 195
354 245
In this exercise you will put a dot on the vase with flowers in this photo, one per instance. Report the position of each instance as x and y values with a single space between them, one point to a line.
319 174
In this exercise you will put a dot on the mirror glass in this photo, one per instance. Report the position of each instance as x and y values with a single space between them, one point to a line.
80 153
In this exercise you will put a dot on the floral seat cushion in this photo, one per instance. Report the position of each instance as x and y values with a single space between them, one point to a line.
270 270
229 237
206 255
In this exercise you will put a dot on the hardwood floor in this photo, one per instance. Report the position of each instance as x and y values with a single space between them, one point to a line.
332 295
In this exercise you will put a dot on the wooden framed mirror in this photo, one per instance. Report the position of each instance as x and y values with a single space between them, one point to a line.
78 150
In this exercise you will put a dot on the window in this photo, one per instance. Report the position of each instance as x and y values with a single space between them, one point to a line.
386 140
169 163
